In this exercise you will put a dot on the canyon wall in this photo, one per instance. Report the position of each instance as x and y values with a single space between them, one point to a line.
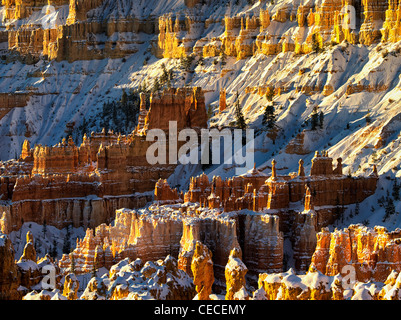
186 106
19 277
82 36
372 253
75 38
329 191
290 28
9 101
84 185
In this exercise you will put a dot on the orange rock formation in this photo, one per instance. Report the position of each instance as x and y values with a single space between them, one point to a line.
71 286
235 274
186 106
373 253
8 270
222 101
202 271
256 191
20 277
86 184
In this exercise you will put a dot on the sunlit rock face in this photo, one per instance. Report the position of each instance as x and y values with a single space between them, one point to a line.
9 272
85 184
67 58
373 253
153 233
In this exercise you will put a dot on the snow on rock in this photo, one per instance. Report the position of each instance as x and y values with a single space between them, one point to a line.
316 286
202 271
235 276
160 280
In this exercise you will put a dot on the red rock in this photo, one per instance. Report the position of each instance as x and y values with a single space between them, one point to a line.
8 270
202 271
186 106
374 253
164 194
222 101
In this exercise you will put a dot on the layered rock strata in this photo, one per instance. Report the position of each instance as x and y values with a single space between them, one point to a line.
9 101
300 29
235 275
8 271
186 106
85 184
155 232
202 271
28 273
372 254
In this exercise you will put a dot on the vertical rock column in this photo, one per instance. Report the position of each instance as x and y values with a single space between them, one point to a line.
235 276
202 270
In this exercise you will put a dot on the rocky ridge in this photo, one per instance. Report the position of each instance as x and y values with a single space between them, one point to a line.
258 232
84 185
347 72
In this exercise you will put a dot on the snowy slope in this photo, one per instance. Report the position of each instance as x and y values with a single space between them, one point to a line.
44 237
71 92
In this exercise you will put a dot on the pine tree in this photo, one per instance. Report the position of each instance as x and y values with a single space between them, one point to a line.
223 58
114 115
368 118
186 62
269 117
315 43
67 241
209 111
270 94
94 269
170 75
389 208
321 119
164 77
53 252
396 190
239 116
156 85
314 119
201 61
143 87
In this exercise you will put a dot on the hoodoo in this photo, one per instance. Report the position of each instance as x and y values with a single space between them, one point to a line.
208 150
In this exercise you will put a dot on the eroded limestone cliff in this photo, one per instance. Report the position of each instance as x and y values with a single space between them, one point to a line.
85 184
372 253
290 28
